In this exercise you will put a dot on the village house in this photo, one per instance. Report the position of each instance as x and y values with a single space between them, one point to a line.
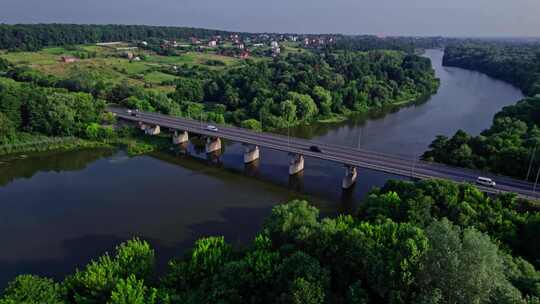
128 55
244 55
212 43
276 51
274 44
68 59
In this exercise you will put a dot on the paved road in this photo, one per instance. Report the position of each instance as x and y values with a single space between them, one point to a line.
345 155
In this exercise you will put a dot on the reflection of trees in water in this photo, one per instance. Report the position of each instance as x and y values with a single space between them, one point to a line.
357 120
13 167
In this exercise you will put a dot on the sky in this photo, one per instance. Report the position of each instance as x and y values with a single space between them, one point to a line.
383 17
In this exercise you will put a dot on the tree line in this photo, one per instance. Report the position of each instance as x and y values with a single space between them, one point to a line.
405 44
424 242
33 37
510 145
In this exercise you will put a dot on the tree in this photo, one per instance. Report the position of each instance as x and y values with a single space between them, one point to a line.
465 267
306 109
4 65
28 289
288 111
356 294
97 281
188 90
7 129
207 258
133 291
307 283
323 99
291 221
251 124
305 292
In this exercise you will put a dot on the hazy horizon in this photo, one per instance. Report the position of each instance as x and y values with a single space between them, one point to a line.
459 18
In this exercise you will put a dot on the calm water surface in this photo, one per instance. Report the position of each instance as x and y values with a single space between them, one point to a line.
59 210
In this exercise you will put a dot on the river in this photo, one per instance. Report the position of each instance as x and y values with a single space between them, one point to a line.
60 210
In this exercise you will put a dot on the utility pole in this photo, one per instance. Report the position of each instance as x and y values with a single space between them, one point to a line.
412 167
531 162
360 138
288 135
536 181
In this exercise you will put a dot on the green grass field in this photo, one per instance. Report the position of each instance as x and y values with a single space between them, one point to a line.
112 67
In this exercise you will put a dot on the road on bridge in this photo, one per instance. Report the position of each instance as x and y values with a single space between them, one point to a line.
341 154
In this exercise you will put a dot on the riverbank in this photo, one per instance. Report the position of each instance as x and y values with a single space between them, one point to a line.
136 143
31 143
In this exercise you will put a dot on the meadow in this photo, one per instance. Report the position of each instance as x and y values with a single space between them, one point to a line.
113 67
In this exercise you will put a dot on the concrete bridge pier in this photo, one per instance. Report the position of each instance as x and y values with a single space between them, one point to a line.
296 163
153 130
251 154
350 177
213 144
181 138
143 126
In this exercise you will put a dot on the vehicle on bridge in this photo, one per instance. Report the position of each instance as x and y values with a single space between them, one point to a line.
315 149
130 112
484 181
212 128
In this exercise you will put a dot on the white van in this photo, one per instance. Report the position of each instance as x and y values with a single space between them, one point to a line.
485 181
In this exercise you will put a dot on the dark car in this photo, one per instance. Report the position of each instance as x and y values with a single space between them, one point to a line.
315 149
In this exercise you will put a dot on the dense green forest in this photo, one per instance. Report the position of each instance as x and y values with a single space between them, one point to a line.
285 91
424 242
406 44
516 63
33 37
510 145
302 87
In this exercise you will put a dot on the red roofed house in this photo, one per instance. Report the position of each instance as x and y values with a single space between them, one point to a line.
68 59
244 55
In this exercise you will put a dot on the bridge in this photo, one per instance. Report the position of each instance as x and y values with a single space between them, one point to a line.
298 149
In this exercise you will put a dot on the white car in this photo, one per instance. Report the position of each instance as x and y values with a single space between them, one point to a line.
485 181
212 128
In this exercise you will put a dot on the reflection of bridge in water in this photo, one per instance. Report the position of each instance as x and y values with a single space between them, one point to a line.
298 148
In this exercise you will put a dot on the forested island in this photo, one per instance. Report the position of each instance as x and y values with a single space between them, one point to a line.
61 91
510 145
424 242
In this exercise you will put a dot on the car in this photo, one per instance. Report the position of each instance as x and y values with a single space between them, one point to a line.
129 111
315 149
212 128
484 181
